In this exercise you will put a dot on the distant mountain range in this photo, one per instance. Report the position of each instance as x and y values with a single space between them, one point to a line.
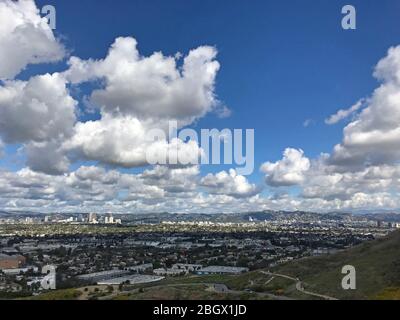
267 215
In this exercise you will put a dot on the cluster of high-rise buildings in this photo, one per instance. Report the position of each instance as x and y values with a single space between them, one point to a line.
93 218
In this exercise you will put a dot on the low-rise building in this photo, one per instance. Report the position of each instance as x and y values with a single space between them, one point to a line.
17 271
222 270
168 272
103 275
11 262
141 268
187 267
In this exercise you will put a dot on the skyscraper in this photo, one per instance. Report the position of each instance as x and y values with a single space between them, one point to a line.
92 218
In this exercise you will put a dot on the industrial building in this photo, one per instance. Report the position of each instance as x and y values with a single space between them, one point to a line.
103 275
169 272
222 270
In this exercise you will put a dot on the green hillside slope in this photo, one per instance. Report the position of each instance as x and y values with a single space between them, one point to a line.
377 266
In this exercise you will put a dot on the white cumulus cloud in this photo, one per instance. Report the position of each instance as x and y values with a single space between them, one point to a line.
152 87
38 110
229 183
25 38
140 94
374 135
288 171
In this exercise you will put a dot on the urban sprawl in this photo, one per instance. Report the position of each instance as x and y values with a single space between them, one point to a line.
114 252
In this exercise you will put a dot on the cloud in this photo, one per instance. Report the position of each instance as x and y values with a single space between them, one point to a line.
323 181
289 171
308 122
25 38
88 187
366 161
223 112
47 157
141 94
150 88
343 114
126 142
37 110
161 189
364 167
94 188
134 94
374 135
40 115
326 182
172 180
230 184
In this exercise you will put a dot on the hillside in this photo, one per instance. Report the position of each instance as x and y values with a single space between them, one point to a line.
377 265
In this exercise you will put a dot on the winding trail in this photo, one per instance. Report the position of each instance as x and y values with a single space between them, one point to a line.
299 285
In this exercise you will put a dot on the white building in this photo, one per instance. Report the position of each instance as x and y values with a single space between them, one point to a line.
15 272
103 275
109 219
92 218
187 267
222 270
168 272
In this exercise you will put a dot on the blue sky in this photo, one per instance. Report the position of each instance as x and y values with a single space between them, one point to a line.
282 62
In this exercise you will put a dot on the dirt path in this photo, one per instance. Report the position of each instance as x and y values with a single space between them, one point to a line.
299 286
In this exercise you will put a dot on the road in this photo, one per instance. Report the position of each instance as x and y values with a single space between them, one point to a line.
299 286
